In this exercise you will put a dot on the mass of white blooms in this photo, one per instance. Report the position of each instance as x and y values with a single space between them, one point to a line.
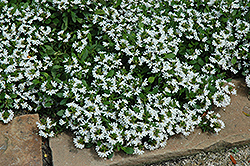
129 74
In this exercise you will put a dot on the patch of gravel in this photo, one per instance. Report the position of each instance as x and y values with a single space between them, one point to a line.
241 154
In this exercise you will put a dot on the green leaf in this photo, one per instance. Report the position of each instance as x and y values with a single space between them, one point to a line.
84 83
103 2
39 108
89 37
224 19
35 81
212 89
63 102
13 96
55 67
99 143
84 55
25 5
106 102
136 109
234 60
142 96
45 74
80 20
243 73
118 3
155 90
73 55
48 104
88 145
48 21
234 13
47 99
147 88
110 73
197 67
73 16
56 21
100 12
65 25
207 59
53 73
201 62
111 155
207 8
54 15
65 20
60 94
169 56
49 50
60 113
128 150
51 8
145 70
151 79
192 62
141 25
229 79
58 80
2 106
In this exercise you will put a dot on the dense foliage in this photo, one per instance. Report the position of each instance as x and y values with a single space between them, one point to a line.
122 75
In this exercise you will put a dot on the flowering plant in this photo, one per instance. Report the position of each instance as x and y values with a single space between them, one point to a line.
122 75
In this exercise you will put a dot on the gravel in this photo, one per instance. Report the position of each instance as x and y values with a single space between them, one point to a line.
241 154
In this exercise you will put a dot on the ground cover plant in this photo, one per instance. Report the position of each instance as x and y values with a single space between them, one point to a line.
122 75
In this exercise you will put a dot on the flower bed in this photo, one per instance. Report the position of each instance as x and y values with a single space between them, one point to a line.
122 75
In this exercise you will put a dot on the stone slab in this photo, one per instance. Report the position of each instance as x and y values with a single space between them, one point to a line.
236 132
19 143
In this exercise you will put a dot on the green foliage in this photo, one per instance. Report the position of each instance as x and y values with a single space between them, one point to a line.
60 113
151 79
235 150
128 150
142 67
169 56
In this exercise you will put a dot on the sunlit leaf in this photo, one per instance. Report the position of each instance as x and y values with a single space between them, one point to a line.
234 60
60 113
151 79
128 150
170 56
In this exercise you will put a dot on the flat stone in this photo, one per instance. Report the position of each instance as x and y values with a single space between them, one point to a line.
236 132
19 143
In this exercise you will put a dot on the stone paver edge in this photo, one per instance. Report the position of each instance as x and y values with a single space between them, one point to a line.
150 159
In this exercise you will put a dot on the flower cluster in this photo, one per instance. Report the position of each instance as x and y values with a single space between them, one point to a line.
21 63
122 75
44 127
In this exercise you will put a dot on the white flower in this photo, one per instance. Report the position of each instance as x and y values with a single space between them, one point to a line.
104 150
76 142
247 79
43 134
40 126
